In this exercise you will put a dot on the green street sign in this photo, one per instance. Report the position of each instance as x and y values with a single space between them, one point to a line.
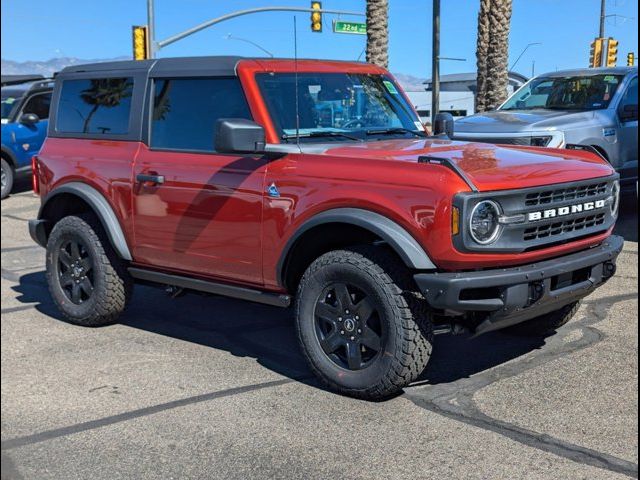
349 27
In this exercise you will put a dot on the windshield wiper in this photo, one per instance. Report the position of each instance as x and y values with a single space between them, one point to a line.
392 131
288 136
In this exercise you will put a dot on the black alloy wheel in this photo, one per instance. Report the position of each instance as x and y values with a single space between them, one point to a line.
74 270
348 326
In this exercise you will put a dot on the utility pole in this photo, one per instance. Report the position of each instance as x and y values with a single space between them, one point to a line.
151 29
435 63
603 17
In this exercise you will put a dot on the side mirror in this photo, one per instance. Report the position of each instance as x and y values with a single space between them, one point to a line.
629 113
443 125
29 119
238 135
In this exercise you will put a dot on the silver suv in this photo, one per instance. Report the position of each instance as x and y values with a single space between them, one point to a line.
595 108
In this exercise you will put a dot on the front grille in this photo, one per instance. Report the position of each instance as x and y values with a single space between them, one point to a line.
565 213
550 197
560 228
498 140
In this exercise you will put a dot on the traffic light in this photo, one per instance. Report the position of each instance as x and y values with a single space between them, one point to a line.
612 53
631 59
595 59
316 17
140 42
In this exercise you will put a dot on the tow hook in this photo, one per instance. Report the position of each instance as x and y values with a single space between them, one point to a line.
609 269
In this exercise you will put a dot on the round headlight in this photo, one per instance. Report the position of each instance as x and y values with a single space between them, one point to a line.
484 225
615 194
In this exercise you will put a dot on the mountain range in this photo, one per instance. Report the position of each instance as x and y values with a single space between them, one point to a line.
48 67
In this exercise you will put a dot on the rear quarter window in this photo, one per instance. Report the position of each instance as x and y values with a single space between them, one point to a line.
99 106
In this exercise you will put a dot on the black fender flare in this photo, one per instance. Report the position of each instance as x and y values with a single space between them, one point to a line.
396 236
101 208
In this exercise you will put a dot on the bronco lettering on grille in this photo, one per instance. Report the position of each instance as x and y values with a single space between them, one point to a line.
568 210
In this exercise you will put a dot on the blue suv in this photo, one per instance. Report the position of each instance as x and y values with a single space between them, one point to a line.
25 114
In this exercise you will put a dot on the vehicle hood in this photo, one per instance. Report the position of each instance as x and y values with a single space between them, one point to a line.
488 167
525 121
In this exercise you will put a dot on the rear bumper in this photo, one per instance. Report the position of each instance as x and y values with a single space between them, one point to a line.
513 295
37 232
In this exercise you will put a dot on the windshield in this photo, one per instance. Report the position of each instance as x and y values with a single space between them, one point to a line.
338 106
591 92
8 104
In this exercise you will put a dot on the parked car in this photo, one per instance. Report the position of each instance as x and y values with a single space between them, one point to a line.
234 177
25 114
594 108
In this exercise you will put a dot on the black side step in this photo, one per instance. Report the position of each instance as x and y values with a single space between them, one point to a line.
258 296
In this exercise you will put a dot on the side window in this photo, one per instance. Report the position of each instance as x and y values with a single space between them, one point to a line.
631 95
95 106
38 104
185 111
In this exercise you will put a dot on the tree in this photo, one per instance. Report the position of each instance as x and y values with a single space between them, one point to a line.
492 53
106 93
378 32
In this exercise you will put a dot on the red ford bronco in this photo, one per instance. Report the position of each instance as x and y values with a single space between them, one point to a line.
312 183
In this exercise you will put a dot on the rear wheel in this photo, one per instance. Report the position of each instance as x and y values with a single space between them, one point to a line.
547 324
7 178
363 328
87 281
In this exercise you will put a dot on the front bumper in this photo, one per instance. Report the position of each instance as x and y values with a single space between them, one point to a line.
508 296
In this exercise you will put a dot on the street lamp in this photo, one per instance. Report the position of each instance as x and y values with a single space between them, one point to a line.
231 37
523 52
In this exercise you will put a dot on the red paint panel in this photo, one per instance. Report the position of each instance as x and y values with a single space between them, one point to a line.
104 165
205 218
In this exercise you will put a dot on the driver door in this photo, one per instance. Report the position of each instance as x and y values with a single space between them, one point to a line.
196 210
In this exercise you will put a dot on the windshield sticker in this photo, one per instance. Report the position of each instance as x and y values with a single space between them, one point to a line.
610 78
391 88
8 100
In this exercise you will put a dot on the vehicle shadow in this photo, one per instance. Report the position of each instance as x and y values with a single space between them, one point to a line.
21 184
267 334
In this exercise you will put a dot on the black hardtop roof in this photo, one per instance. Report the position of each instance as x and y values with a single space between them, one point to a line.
180 66
221 65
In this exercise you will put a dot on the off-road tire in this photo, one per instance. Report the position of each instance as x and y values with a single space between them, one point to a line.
112 285
8 174
545 325
408 323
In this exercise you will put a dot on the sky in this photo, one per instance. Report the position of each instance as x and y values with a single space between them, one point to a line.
96 29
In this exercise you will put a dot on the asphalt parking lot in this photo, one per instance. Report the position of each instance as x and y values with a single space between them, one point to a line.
203 387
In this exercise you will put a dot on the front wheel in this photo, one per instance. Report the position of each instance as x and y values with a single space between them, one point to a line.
7 178
363 328
87 281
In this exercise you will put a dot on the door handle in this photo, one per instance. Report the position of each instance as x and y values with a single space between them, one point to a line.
144 178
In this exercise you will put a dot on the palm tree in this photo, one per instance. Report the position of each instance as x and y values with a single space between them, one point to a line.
492 53
104 92
378 32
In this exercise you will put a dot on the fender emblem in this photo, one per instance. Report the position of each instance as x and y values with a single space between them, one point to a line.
273 191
